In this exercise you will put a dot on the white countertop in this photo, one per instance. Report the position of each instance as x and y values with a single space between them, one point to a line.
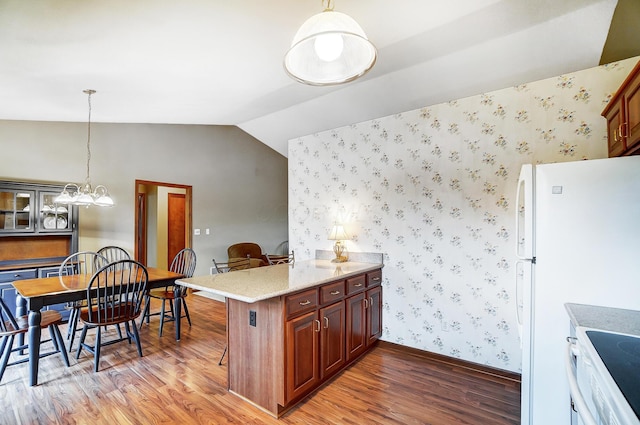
262 283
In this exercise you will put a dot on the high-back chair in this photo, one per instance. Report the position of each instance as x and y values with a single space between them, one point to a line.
11 326
250 250
230 266
184 263
114 253
281 259
85 263
114 296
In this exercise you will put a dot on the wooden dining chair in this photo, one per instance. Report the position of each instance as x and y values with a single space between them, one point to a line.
230 266
85 263
183 263
11 326
114 296
281 259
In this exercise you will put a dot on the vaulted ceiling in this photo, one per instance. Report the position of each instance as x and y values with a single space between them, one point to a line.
220 62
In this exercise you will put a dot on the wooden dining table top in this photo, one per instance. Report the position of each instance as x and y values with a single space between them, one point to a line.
30 288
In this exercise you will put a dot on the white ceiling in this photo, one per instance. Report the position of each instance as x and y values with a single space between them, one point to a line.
220 62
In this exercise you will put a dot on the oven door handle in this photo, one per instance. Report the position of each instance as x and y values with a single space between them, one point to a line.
574 389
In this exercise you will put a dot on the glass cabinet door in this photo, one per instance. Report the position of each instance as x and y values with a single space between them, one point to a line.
16 210
53 217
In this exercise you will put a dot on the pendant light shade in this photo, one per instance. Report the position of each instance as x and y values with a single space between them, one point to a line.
329 48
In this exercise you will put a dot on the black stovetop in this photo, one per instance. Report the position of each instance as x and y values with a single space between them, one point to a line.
621 355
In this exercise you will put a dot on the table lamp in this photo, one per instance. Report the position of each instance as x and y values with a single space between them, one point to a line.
338 234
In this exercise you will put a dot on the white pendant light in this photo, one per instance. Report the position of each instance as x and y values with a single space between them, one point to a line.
83 194
329 48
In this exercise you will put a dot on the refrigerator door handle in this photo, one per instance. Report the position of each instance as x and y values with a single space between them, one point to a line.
524 213
523 277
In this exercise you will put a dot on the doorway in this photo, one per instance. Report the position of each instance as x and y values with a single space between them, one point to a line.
162 222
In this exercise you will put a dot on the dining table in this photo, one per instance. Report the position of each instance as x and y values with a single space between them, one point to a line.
34 294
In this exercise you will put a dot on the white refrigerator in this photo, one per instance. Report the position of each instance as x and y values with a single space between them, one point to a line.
578 241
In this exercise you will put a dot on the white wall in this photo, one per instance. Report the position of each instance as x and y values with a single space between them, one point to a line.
434 190
239 184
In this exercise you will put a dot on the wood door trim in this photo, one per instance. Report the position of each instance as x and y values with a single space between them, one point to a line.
188 214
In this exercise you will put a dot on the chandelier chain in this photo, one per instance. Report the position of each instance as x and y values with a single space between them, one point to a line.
89 92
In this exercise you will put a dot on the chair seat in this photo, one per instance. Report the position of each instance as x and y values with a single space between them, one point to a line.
162 294
49 317
115 315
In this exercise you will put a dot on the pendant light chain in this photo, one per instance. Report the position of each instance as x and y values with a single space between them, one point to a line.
85 195
89 92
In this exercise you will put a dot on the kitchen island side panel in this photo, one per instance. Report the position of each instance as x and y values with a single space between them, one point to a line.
256 358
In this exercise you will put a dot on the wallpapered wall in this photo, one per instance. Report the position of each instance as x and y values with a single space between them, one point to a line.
433 189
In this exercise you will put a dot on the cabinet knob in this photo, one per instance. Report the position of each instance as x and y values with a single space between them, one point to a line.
326 322
366 303
335 292
317 322
357 285
307 302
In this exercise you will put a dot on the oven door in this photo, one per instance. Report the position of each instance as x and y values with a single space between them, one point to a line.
579 372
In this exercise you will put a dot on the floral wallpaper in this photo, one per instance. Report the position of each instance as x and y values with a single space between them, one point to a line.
433 189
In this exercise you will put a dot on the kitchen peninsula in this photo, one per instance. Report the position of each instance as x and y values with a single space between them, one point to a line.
292 327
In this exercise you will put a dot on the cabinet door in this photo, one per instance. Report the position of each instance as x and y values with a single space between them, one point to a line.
632 113
374 314
53 217
16 210
301 338
332 339
356 326
615 137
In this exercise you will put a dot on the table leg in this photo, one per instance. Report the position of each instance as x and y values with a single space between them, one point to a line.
177 308
21 310
35 319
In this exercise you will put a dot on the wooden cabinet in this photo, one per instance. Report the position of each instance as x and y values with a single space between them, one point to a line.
315 341
303 373
36 234
623 117
364 313
300 340
332 339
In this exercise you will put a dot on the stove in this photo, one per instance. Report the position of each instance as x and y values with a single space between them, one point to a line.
608 376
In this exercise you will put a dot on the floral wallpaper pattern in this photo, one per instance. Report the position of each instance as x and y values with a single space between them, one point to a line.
433 189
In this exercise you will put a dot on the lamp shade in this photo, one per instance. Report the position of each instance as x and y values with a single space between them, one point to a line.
329 48
338 233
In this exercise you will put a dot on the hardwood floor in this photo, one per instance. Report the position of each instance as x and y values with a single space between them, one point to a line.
181 383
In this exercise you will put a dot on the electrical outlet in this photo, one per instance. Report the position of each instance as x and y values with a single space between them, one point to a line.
196 232
252 318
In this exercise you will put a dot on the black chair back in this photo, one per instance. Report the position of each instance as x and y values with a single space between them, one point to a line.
115 292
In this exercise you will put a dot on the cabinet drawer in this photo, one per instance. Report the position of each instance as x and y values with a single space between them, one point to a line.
374 278
332 292
301 302
355 284
10 276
